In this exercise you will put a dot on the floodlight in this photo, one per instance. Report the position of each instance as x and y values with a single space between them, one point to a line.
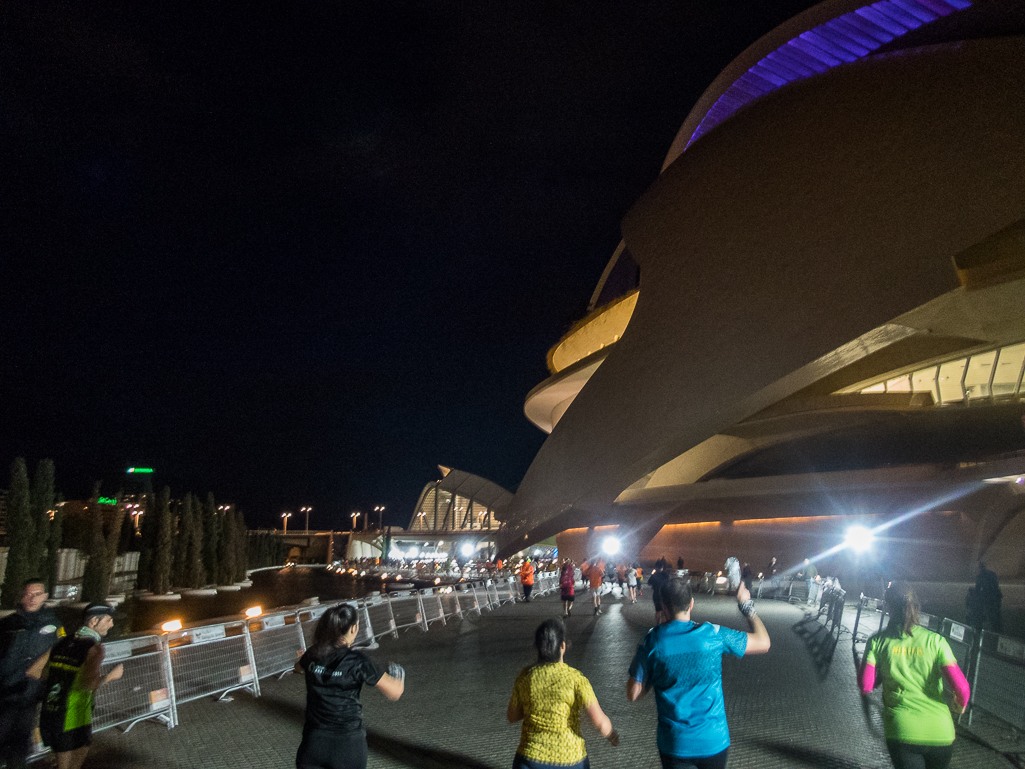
171 626
466 550
254 611
859 539
610 545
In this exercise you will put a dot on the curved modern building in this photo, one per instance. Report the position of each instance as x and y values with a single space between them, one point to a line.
817 312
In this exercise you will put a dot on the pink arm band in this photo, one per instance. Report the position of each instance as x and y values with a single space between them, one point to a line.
868 678
955 679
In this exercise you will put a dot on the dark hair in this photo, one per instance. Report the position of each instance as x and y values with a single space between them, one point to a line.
333 625
904 607
549 638
675 594
33 581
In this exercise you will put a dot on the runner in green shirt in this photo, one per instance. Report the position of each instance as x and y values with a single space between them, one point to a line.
916 667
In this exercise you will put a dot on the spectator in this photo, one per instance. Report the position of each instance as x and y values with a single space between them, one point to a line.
548 697
25 636
692 731
984 601
916 666
73 673
811 577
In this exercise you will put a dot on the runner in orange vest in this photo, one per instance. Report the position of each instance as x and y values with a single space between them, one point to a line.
527 578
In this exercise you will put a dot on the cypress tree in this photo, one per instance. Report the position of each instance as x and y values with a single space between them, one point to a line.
40 504
54 545
147 542
211 537
93 586
194 572
226 549
180 544
241 547
161 572
21 535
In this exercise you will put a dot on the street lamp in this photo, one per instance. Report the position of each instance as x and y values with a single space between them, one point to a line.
285 517
354 516
307 511
380 516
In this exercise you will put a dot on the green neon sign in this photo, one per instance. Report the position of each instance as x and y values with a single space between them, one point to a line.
106 501
140 469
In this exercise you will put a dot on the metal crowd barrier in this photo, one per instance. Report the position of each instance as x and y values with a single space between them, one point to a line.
212 660
145 691
998 678
278 641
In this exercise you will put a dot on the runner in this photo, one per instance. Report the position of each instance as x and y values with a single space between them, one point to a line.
73 669
548 697
595 578
527 578
681 661
334 736
631 582
566 581
916 667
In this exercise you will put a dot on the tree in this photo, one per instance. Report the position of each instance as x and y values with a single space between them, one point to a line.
53 545
195 574
226 549
211 537
161 572
94 586
40 505
21 535
241 547
147 542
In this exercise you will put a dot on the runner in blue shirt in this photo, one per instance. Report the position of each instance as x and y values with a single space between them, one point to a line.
682 662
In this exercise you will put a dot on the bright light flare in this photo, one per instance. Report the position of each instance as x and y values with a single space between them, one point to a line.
859 539
466 550
171 626
254 611
610 545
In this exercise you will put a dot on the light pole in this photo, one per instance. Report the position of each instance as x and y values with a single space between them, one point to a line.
307 511
354 516
380 516
285 517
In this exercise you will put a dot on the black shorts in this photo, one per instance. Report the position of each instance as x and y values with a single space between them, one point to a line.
63 742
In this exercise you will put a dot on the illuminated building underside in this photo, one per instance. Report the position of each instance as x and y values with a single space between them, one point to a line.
831 314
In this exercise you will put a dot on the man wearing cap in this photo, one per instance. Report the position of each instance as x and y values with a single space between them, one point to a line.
25 636
73 674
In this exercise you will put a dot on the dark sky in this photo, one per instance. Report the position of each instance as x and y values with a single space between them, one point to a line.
303 252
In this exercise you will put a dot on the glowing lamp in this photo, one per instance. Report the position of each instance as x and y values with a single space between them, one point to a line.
173 625
610 545
859 539
254 611
466 550
720 580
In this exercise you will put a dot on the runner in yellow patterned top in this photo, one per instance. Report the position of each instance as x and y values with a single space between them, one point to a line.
549 697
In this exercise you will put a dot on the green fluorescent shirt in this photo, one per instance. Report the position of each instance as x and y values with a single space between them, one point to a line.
911 669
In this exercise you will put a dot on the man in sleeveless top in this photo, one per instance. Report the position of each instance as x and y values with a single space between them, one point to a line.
73 674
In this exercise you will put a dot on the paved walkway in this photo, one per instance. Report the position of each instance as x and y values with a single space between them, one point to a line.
794 707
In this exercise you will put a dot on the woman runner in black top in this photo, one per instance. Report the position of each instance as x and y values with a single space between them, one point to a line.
334 736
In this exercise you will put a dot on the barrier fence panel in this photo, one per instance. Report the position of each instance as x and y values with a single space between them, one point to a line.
379 610
407 610
277 641
450 602
308 619
365 638
999 679
430 603
509 590
143 692
471 598
961 639
492 588
209 660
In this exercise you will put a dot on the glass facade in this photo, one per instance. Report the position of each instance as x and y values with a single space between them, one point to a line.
439 510
983 376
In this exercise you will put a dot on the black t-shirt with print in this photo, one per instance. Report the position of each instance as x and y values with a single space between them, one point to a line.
333 687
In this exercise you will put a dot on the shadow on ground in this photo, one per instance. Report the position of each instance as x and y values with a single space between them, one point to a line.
412 754
820 759
821 644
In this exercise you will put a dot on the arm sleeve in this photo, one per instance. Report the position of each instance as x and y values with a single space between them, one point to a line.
639 666
955 679
370 672
867 681
734 641
585 694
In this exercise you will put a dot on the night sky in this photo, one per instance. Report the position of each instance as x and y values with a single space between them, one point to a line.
304 252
